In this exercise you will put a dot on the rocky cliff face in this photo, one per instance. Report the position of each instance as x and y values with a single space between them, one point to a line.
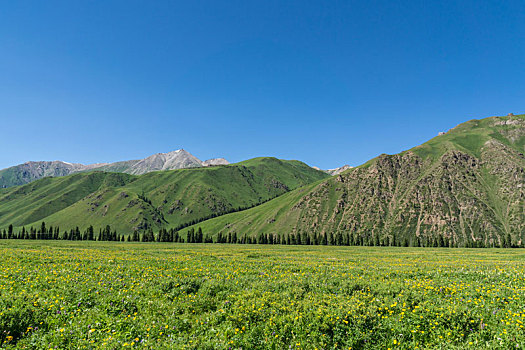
178 159
403 197
460 196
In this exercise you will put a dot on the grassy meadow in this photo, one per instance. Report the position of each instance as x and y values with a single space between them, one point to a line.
183 296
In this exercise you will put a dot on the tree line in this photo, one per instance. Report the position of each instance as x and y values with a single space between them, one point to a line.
53 233
197 236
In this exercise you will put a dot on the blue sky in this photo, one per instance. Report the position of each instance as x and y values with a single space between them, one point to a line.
325 82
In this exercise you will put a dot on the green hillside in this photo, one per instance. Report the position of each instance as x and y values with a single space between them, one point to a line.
157 199
465 187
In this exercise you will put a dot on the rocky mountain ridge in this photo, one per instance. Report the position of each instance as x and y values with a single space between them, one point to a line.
31 171
335 171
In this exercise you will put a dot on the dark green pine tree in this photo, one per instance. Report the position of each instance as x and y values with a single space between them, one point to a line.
331 240
441 242
339 238
150 236
90 233
191 236
509 241
199 236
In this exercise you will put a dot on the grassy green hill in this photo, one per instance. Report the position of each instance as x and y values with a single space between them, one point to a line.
157 199
465 187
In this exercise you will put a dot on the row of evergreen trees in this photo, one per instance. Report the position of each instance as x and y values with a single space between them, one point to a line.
53 233
192 236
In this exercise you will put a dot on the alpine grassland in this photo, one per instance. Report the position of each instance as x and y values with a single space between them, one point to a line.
86 295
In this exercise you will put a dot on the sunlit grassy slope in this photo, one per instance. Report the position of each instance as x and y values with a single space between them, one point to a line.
157 199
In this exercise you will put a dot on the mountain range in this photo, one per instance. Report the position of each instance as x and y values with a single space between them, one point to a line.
31 171
153 200
463 187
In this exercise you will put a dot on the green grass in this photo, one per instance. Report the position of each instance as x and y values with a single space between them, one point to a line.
177 197
274 217
470 137
158 296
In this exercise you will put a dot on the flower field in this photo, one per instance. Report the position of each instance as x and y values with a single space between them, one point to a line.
218 296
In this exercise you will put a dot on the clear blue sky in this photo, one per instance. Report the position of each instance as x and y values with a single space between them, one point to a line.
325 82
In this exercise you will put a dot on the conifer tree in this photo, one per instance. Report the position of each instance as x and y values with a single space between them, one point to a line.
330 238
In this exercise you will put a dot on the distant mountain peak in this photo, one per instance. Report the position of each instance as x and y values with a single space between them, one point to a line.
34 170
215 161
335 171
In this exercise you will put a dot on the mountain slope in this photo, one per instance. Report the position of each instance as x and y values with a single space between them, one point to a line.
462 187
156 199
31 171
37 200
